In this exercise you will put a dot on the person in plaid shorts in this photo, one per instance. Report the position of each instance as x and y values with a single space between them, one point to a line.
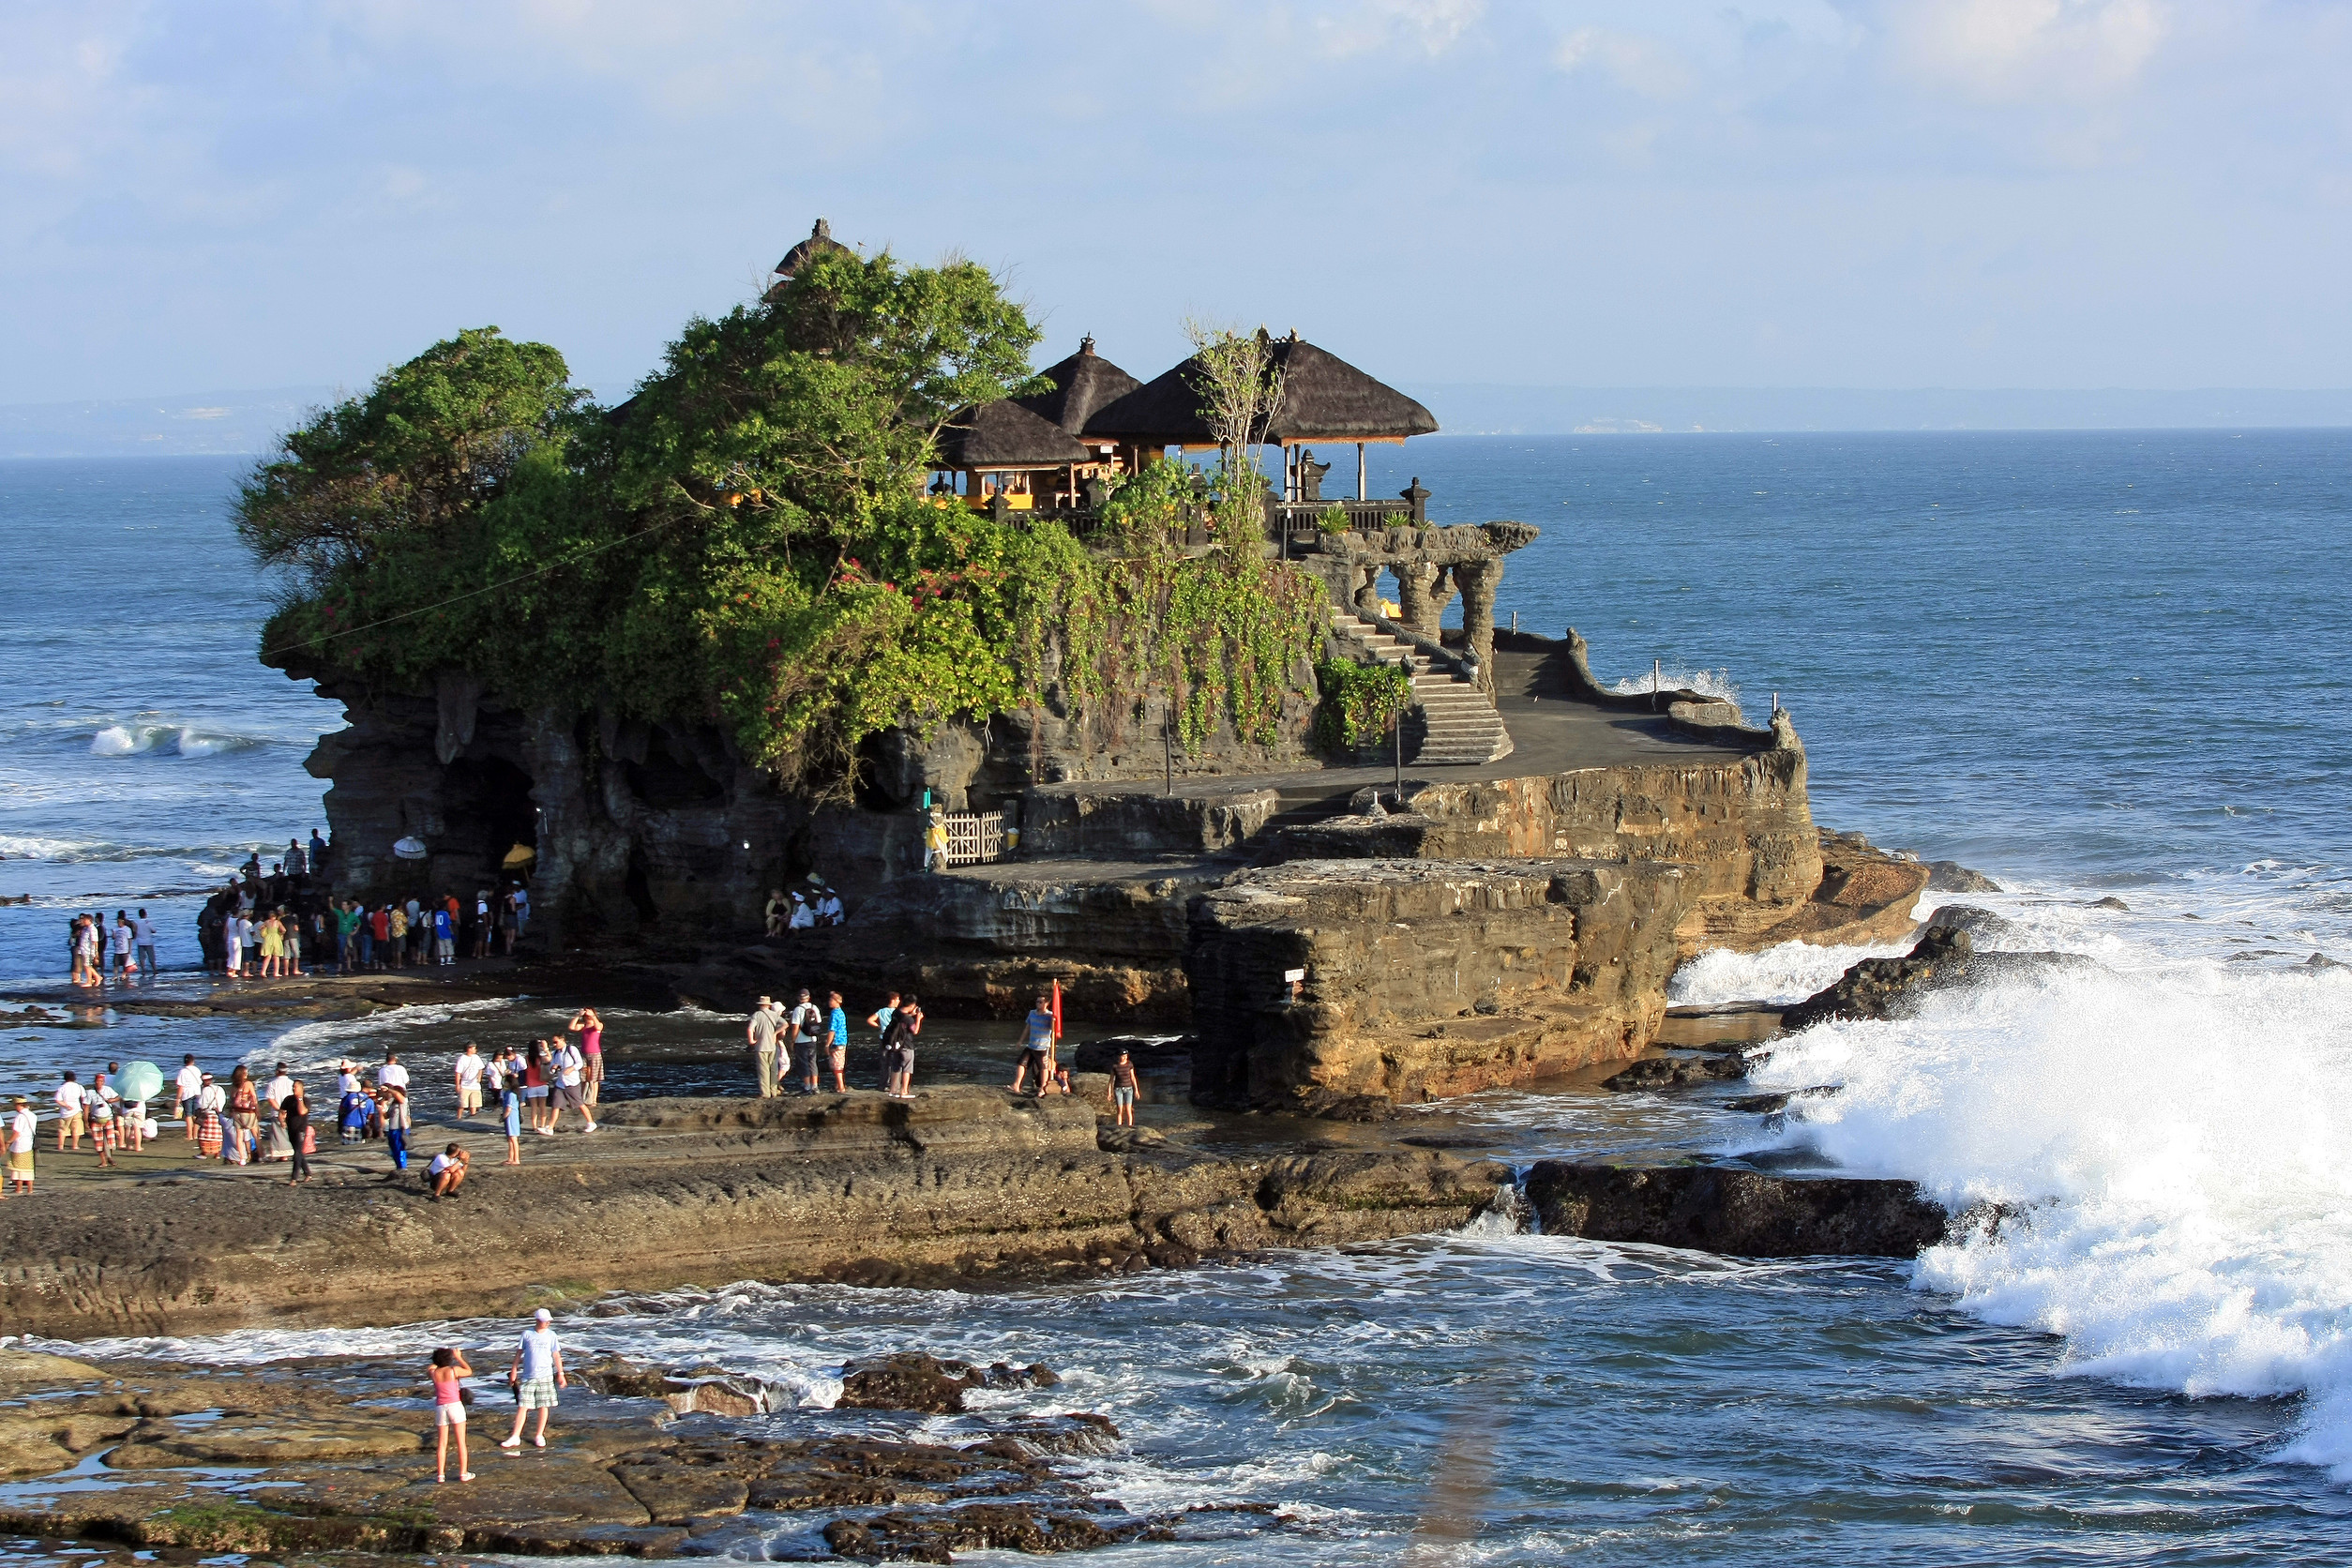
536 1374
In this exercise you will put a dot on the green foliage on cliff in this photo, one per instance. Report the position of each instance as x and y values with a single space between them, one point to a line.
1362 702
747 540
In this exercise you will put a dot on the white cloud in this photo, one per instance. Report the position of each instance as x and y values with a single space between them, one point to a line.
1367 26
2006 50
1638 63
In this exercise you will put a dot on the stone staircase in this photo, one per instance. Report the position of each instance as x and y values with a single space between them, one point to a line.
1458 721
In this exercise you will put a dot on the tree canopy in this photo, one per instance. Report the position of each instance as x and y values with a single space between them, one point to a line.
745 541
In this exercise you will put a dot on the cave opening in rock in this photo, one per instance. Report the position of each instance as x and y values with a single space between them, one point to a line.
488 801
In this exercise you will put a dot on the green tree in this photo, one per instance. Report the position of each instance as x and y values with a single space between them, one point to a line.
428 446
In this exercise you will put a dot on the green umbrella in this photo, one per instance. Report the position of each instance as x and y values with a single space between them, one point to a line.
141 1081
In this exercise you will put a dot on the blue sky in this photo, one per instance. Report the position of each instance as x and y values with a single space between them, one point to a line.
2014 193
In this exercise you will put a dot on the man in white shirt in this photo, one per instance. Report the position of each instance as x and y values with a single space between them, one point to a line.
211 1097
70 1098
233 943
142 933
523 910
392 1075
536 1374
185 1086
829 909
571 1087
470 1065
280 1085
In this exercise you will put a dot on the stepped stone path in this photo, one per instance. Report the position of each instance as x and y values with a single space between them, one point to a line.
1460 725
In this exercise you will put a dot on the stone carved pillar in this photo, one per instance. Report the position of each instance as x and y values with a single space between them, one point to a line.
1478 581
1368 591
1425 592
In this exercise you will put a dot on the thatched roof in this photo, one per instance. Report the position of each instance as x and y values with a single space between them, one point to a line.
1003 435
1083 384
820 241
1323 399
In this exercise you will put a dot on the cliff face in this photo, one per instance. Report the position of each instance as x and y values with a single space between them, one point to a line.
643 828
1424 978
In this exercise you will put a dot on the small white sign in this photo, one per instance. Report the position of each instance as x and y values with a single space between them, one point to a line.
1294 975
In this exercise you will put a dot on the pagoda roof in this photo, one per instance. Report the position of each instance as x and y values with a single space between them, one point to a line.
1323 399
1003 435
1083 385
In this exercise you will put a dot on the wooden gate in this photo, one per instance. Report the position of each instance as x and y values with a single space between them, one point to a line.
975 835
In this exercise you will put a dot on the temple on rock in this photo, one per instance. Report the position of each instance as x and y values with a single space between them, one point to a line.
1494 888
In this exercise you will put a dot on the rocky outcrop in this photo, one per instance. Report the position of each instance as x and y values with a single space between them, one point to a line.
915 1381
957 1186
1944 958
312 1462
1725 1209
1424 978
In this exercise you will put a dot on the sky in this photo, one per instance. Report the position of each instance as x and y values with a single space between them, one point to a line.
1841 193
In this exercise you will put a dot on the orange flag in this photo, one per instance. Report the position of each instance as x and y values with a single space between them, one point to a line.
1057 1009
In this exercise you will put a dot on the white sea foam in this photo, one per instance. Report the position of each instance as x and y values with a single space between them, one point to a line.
2176 1138
1673 677
138 739
1790 972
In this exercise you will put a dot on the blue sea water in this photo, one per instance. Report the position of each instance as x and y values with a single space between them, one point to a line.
2090 664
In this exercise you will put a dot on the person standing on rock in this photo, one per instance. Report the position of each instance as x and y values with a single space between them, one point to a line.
1122 1091
1036 1047
71 1098
879 1021
837 1043
807 1022
185 1086
536 1374
142 940
20 1129
393 1099
906 1022
448 1370
760 1031
294 1114
571 1068
469 1075
510 1108
590 1028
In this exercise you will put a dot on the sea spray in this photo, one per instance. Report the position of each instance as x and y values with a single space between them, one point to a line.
2172 1145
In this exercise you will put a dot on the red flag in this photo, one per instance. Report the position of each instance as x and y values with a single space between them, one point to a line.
1057 1009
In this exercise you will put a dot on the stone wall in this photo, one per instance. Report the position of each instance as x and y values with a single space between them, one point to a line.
1424 978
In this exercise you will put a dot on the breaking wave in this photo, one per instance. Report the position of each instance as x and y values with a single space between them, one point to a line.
1706 683
2170 1147
139 740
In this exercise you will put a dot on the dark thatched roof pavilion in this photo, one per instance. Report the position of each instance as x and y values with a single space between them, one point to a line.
1323 399
1004 435
820 242
1083 385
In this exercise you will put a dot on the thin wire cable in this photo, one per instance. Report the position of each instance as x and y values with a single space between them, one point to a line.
471 592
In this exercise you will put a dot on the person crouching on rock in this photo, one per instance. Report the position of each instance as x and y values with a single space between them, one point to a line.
536 1374
448 1369
447 1173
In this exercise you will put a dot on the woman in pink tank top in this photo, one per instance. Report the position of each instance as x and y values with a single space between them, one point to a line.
448 1368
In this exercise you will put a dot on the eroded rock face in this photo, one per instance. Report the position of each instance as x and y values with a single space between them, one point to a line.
1424 978
1745 1213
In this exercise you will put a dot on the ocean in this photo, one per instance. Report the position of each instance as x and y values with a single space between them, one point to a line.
2096 666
